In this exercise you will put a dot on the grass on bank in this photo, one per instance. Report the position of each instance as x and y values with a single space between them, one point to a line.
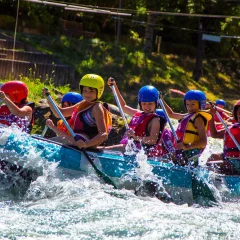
133 69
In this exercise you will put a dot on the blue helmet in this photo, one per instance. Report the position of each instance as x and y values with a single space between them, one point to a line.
161 114
72 97
198 96
148 94
220 102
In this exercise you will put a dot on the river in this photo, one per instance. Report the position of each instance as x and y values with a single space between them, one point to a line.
56 207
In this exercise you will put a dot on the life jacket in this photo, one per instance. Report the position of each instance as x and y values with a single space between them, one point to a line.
139 123
223 115
7 118
186 131
230 149
61 126
169 142
79 124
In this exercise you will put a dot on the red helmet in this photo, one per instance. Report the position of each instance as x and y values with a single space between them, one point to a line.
16 90
235 108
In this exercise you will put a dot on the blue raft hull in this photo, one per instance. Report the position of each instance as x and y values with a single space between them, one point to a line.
122 169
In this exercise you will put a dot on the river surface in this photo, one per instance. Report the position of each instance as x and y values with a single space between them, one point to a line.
56 207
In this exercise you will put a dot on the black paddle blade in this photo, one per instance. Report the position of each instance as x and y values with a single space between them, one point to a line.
200 188
101 174
153 189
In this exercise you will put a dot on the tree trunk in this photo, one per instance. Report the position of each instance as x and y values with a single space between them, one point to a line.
149 33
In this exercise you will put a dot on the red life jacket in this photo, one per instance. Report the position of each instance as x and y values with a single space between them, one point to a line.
139 124
230 149
79 124
7 118
223 115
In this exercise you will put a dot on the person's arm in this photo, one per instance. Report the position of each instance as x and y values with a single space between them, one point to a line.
127 109
98 115
153 135
58 131
225 116
171 113
213 130
66 112
25 111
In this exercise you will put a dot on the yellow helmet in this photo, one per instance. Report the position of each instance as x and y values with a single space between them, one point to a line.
93 81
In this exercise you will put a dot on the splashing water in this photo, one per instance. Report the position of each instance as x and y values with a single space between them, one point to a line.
59 208
144 170
130 148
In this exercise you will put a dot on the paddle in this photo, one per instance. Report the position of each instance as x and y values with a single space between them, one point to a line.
227 129
199 187
44 131
183 94
122 114
150 186
172 128
119 106
101 174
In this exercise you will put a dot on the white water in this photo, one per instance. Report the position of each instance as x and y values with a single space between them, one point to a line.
58 208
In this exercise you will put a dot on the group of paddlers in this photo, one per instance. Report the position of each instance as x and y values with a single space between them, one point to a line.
91 120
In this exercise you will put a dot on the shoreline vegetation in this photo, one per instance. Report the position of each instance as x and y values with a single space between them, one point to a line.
132 69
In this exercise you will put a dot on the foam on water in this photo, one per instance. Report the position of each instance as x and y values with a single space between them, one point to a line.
56 207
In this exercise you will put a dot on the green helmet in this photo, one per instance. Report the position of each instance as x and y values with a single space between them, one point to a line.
93 81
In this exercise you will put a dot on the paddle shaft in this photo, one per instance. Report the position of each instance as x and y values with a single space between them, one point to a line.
183 94
223 110
44 131
228 131
168 119
197 182
61 116
119 106
184 155
100 173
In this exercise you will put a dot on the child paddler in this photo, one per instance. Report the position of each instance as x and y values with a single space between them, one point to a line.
146 126
16 108
69 99
192 128
229 163
90 120
221 104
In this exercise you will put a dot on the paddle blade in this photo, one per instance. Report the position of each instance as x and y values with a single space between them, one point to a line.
201 189
101 174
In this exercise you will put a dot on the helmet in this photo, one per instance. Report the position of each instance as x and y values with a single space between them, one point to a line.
235 108
93 81
72 97
161 113
198 96
220 102
148 94
16 90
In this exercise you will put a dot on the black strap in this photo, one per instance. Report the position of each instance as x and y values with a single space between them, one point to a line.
106 106
191 132
235 149
30 126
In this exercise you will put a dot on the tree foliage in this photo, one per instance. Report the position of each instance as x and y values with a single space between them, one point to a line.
175 30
